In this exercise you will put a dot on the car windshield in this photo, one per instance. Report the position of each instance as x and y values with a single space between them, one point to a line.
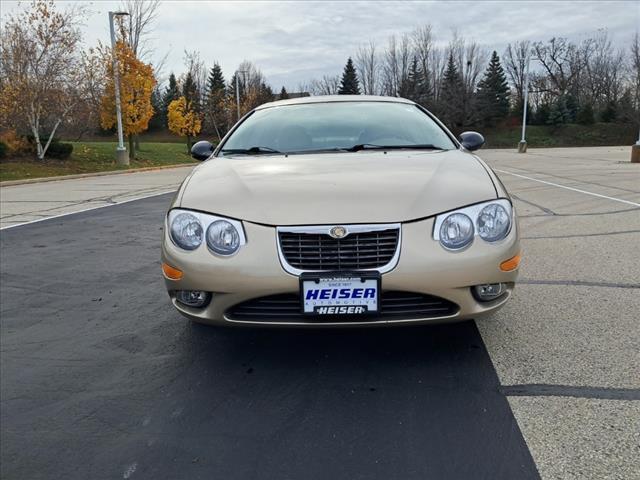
336 126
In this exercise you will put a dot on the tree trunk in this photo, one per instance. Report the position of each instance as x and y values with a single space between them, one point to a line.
188 144
132 152
46 147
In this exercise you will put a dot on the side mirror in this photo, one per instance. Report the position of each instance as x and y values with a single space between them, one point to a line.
471 140
202 150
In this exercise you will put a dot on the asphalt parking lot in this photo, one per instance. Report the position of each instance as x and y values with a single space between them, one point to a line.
101 378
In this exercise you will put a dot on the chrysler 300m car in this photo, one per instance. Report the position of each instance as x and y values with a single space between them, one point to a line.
340 210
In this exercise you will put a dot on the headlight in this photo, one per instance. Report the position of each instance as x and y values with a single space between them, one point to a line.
456 231
223 238
491 221
188 230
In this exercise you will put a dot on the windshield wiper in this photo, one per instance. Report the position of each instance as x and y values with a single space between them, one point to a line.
250 151
372 146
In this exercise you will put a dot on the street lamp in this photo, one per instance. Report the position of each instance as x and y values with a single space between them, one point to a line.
522 146
121 152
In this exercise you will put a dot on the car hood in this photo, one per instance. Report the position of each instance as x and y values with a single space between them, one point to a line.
340 188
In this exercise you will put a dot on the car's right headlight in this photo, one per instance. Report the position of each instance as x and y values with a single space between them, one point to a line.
188 229
491 221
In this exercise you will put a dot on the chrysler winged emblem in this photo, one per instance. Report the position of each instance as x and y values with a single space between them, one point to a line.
338 232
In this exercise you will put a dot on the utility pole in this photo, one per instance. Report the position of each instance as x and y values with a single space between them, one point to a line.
522 146
121 152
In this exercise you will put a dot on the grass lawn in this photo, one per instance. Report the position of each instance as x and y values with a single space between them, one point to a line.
570 135
89 157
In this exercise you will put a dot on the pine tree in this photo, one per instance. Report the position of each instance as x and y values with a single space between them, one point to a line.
585 115
452 95
191 93
215 81
423 92
558 113
349 85
231 86
572 107
542 114
410 86
493 92
171 93
610 113
265 94
215 104
159 120
283 94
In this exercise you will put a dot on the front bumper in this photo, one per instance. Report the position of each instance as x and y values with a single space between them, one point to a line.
423 267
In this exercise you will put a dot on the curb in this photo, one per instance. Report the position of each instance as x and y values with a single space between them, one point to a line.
9 183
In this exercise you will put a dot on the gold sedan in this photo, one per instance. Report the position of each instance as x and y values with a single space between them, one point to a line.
336 211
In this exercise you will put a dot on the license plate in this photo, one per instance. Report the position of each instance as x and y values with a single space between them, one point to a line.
340 295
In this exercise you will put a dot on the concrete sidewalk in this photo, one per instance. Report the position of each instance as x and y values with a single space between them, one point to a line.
37 201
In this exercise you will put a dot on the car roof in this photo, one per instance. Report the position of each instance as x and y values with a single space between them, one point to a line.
334 98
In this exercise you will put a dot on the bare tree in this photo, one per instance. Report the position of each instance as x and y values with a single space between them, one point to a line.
395 65
89 92
562 62
327 85
436 70
366 61
39 73
603 69
515 60
467 56
197 69
422 43
138 25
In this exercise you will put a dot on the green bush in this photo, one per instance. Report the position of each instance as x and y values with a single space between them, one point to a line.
59 150
3 150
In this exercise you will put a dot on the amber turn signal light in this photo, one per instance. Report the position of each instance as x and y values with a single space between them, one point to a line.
511 264
170 272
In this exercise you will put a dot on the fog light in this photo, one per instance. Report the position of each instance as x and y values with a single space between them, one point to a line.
193 298
489 291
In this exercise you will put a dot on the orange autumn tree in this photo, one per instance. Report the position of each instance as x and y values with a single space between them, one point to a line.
137 82
183 120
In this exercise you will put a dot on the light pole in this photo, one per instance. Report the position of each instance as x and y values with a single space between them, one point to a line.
244 81
522 146
635 151
121 152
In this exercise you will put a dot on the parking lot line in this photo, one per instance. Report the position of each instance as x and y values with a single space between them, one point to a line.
569 188
88 209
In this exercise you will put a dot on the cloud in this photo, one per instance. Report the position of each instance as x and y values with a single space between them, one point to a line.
292 42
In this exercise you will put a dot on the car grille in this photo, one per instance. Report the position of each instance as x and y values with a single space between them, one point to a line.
357 251
394 305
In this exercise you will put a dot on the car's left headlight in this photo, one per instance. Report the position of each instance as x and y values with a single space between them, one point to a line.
491 221
223 236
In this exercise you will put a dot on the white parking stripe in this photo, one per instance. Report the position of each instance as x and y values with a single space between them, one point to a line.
88 209
628 202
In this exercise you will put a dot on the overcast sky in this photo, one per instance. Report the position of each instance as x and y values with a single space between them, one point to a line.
292 42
